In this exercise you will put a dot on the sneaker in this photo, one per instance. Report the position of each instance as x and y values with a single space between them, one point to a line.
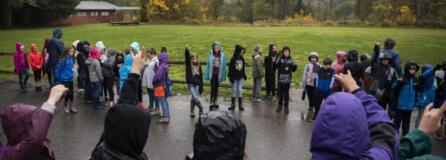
80 90
164 120
273 98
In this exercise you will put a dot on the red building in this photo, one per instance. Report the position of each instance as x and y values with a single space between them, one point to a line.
100 12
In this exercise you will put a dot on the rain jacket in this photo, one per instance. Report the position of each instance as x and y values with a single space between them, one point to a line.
354 66
26 130
426 93
222 65
339 63
395 59
84 49
416 145
219 136
55 47
270 72
353 126
406 89
20 60
285 67
64 69
124 71
149 72
94 66
107 66
35 58
161 70
324 81
237 65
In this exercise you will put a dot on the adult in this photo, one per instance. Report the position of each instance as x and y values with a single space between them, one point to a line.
55 49
389 44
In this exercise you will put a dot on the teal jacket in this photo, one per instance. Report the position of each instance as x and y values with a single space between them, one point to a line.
222 68
416 146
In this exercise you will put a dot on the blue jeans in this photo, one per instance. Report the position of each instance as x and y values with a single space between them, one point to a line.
237 88
164 105
152 99
23 78
193 89
95 92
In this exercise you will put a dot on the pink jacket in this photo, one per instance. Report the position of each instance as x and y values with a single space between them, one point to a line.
26 130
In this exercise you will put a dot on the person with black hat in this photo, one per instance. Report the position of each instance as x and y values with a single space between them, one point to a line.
236 76
354 66
382 78
285 66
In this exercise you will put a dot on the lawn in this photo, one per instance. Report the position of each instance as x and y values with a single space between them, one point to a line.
421 45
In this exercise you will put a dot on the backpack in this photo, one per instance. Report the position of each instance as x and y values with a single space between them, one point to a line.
169 84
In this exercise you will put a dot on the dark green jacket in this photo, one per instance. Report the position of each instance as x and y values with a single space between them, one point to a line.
416 146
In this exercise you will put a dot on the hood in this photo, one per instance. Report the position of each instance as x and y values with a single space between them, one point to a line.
32 47
218 135
352 55
340 130
313 54
57 33
94 53
16 121
100 45
237 50
83 47
163 58
126 129
364 57
119 54
111 52
18 45
340 55
426 68
408 66
218 44
135 45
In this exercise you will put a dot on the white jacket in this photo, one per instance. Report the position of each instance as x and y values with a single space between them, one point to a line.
149 72
309 77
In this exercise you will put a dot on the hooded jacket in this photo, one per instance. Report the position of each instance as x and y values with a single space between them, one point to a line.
285 67
237 65
118 62
64 69
354 66
94 66
194 76
161 70
222 65
384 78
309 77
26 130
20 59
219 136
396 59
84 49
426 93
324 81
353 126
126 127
35 58
339 64
124 71
55 47
149 72
107 66
406 88
258 71
270 72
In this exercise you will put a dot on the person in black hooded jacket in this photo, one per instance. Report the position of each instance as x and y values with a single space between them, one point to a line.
270 72
236 75
126 126
285 66
194 78
83 47
354 66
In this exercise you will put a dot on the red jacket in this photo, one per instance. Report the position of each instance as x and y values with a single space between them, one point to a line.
35 58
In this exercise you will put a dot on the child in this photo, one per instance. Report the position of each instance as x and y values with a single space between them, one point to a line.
426 90
366 77
338 66
215 72
119 61
270 72
64 75
383 76
95 74
406 97
257 73
285 66
159 85
147 80
21 66
36 60
236 76
354 66
194 78
109 76
309 79
324 83
125 70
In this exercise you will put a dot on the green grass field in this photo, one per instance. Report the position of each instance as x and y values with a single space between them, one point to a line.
421 45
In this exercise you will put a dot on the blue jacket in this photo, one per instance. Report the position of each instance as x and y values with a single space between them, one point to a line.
64 69
324 82
124 71
222 67
406 96
426 94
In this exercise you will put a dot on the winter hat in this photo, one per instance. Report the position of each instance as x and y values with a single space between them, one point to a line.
135 45
75 43
100 45
313 54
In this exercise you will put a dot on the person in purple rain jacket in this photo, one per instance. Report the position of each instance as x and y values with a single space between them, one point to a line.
353 126
21 66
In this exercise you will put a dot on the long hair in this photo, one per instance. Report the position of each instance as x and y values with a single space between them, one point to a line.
66 52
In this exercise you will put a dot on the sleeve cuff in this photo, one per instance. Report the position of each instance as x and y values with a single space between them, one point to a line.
48 107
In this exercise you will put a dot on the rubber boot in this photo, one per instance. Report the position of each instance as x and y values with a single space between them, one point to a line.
192 107
200 107
240 104
72 108
232 103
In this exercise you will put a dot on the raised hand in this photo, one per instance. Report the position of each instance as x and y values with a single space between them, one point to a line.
56 93
347 81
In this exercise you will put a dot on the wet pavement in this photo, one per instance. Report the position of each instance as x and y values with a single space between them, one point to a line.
271 135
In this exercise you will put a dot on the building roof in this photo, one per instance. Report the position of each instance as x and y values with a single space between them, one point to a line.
101 5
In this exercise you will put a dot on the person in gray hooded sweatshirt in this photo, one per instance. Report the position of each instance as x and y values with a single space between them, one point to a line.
109 76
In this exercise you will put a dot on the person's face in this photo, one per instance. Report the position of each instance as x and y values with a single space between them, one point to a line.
241 52
194 59
274 48
22 48
216 48
286 53
71 52
120 58
327 66
313 60
412 71
260 50
385 61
